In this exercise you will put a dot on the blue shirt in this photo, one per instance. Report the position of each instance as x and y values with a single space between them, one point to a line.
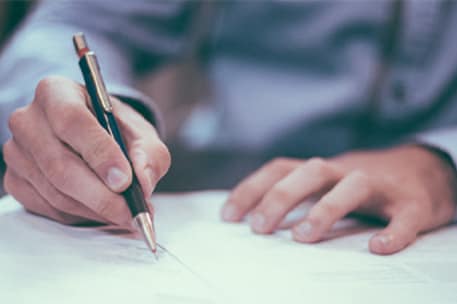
296 78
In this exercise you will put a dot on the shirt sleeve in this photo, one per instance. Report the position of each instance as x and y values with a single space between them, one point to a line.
445 141
129 37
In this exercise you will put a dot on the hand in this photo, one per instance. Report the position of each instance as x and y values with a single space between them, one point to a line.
63 165
410 187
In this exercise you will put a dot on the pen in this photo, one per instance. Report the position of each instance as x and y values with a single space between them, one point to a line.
103 110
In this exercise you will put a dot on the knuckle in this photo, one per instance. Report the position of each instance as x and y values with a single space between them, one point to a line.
8 153
245 189
279 194
315 219
59 201
17 120
163 154
34 176
101 150
280 165
57 172
359 176
278 162
103 208
236 196
65 120
360 180
42 90
51 86
319 166
415 208
328 208
7 182
47 84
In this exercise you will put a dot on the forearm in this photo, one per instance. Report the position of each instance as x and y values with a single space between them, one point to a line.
443 144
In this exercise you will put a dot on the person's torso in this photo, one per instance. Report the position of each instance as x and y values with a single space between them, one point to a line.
298 77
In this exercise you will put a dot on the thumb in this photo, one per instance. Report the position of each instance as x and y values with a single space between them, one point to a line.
145 172
401 231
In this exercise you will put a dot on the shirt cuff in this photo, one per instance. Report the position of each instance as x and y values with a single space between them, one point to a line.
142 103
444 141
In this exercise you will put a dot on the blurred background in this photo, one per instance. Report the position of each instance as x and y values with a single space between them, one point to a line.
12 13
162 86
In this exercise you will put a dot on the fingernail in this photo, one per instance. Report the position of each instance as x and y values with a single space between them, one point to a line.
229 212
258 222
116 179
304 230
140 157
151 178
382 240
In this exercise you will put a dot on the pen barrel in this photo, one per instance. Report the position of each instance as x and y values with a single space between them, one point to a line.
133 195
89 79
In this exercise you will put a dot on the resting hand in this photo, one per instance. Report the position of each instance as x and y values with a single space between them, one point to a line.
63 165
410 187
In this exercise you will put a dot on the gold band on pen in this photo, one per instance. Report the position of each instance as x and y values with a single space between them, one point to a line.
100 85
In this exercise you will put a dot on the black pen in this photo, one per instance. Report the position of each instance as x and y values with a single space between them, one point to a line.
103 110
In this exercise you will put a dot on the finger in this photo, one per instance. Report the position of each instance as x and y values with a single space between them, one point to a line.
19 162
24 193
64 104
145 158
250 191
312 177
64 169
150 157
353 190
401 231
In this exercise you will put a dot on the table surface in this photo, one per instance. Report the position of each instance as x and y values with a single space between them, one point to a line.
45 262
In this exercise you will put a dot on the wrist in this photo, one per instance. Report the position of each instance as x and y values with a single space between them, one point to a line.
434 153
445 165
139 107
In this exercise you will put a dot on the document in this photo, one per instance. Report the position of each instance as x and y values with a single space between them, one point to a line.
204 260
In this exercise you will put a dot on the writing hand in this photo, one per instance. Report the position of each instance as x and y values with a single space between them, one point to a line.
63 165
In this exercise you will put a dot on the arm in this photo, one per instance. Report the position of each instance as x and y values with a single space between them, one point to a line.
57 147
407 187
130 37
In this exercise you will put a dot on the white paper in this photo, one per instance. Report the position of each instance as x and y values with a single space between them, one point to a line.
45 262
41 261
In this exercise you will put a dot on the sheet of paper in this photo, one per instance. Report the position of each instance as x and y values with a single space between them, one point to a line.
42 261
45 262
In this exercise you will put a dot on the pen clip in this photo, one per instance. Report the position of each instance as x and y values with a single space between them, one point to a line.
100 88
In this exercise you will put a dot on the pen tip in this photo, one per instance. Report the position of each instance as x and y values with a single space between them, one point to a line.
144 223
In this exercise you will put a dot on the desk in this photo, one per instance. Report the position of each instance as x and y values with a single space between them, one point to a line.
45 262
